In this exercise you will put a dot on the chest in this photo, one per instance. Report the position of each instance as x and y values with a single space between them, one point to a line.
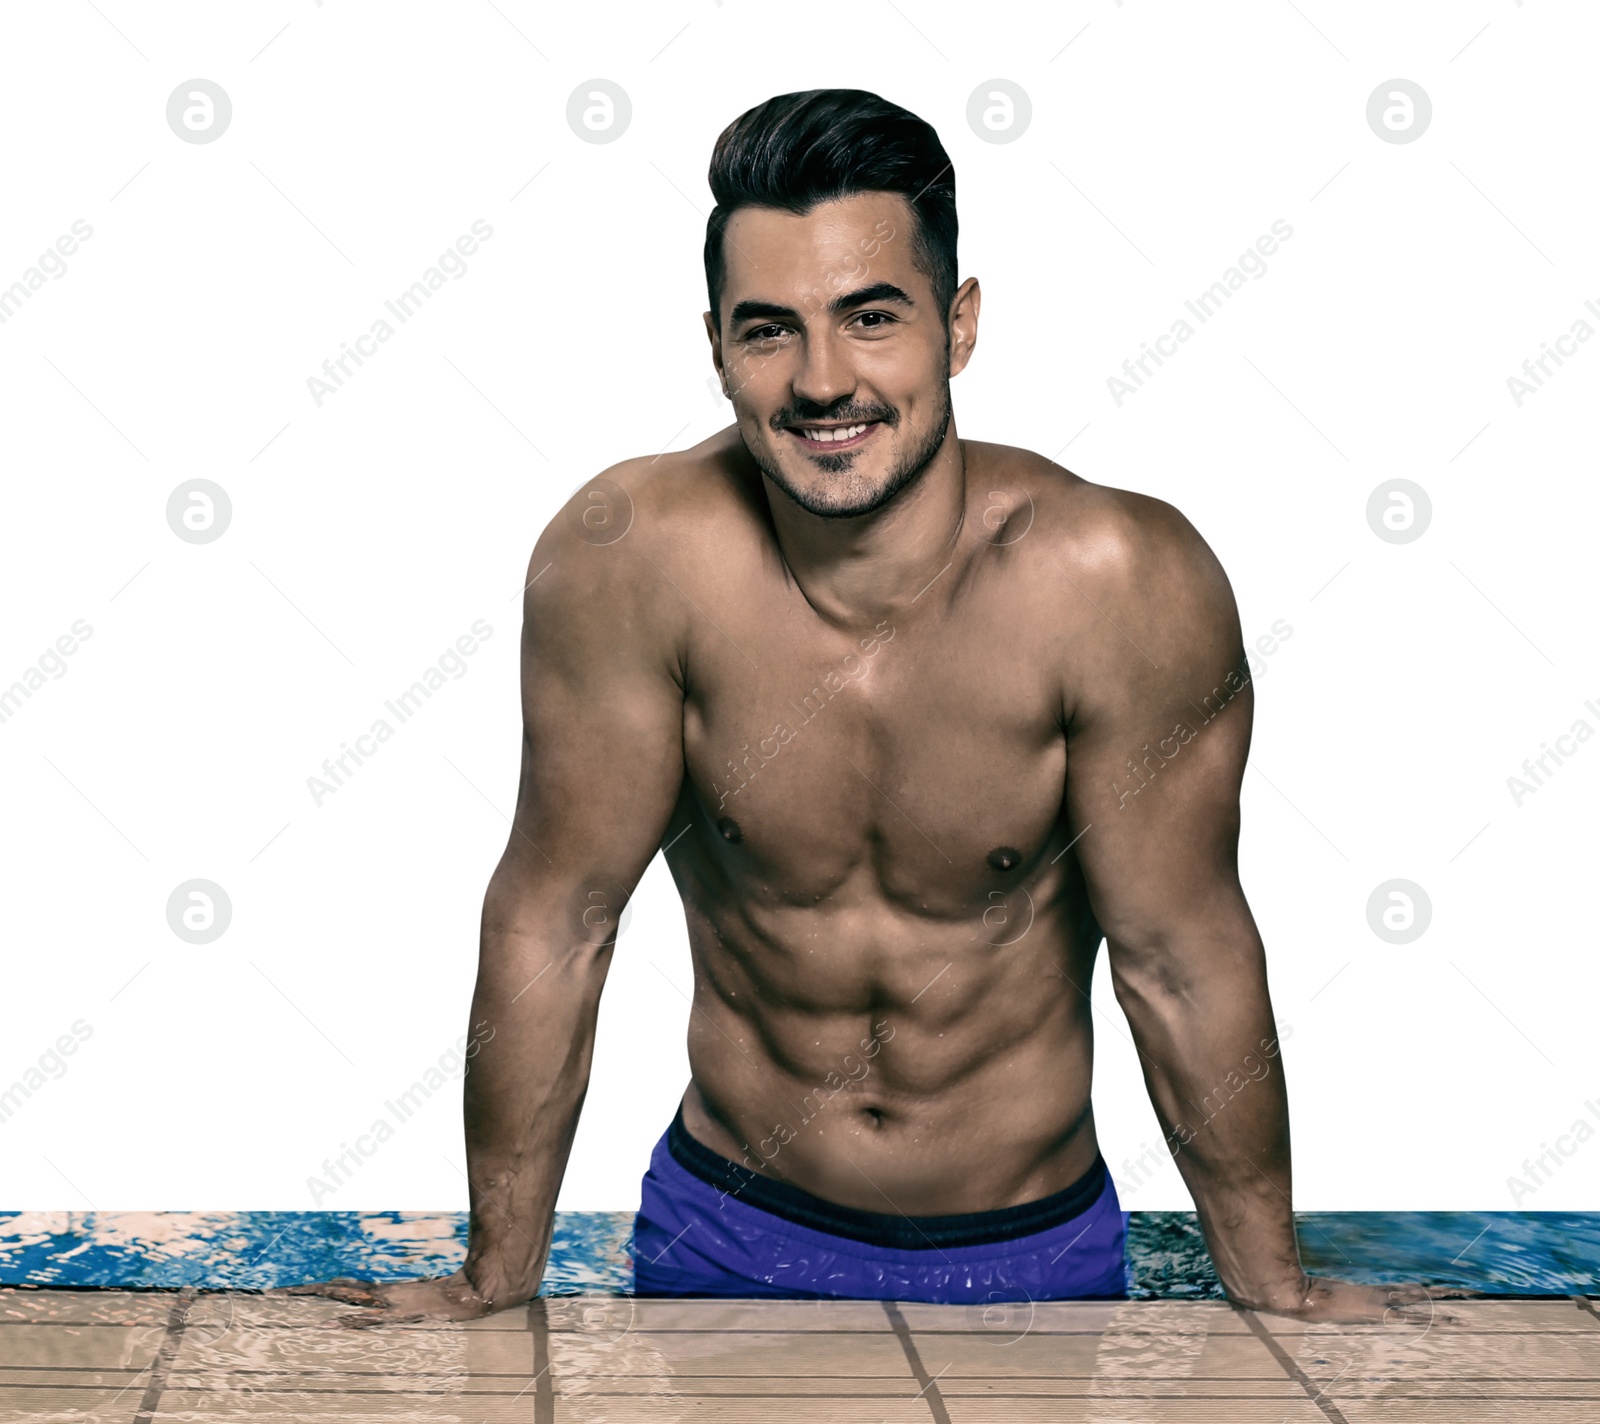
926 759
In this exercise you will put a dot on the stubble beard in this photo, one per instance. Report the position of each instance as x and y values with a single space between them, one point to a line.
831 502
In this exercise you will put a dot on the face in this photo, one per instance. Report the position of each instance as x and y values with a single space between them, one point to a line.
834 352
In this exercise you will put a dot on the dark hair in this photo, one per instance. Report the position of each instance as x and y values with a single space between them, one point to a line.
798 150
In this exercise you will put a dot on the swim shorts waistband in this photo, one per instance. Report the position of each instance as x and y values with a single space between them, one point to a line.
886 1229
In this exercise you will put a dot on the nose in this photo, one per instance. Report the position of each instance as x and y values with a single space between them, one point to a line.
824 375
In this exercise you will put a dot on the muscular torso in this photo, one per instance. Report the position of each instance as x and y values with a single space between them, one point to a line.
891 938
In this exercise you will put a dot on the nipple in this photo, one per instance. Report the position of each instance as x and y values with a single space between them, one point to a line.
730 830
1005 858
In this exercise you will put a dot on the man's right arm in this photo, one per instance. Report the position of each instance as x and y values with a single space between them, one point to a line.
602 766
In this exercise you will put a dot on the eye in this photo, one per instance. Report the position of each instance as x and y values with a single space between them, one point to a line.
874 320
770 332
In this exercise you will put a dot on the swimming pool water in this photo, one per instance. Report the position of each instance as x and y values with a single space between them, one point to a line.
1501 1253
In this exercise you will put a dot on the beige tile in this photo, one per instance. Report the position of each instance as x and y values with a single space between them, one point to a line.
1468 1387
861 1387
84 1307
1142 1356
1153 1409
613 1314
1078 1316
44 1404
684 1355
1465 1411
1440 1354
766 1409
302 1405
90 1346
1065 1386
1484 1315
324 1348
248 1308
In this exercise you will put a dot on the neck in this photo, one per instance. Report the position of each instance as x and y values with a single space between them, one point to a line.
868 567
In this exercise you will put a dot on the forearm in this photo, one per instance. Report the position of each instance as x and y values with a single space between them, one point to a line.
1212 1065
534 1010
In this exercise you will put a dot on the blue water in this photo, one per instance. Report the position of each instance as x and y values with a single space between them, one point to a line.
1500 1253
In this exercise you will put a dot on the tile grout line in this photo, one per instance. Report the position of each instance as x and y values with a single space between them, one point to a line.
1290 1368
161 1367
1585 1304
544 1398
929 1387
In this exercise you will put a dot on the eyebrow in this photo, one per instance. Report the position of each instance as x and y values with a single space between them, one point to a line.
876 292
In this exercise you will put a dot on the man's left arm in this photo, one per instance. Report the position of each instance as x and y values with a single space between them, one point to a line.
1159 730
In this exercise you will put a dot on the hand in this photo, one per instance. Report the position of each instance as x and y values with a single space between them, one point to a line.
1346 1303
402 1302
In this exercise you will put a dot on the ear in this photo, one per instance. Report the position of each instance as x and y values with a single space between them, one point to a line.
964 324
715 338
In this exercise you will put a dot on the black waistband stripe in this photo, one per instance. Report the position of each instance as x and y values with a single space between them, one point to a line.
887 1229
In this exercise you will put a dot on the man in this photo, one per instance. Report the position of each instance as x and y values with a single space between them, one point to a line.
916 722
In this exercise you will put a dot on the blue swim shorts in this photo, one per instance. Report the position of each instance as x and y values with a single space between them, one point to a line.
709 1227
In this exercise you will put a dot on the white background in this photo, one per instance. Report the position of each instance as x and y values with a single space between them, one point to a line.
369 533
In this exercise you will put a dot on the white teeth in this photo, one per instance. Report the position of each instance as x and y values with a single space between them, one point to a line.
844 432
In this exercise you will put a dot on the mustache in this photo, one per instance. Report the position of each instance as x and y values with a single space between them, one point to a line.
849 411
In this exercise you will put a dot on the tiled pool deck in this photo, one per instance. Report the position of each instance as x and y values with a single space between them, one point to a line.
142 1357
197 1342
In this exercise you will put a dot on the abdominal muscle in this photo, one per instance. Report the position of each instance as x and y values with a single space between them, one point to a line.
891 1063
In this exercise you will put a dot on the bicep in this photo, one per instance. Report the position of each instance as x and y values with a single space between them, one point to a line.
1155 756
602 745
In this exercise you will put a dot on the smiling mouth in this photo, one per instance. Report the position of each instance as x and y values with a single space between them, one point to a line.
833 437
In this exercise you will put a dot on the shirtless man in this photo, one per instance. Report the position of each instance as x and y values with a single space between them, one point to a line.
916 722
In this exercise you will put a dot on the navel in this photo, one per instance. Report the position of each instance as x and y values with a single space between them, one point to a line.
730 830
1005 858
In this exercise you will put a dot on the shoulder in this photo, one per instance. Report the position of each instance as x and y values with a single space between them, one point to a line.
1117 542
1126 593
602 558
